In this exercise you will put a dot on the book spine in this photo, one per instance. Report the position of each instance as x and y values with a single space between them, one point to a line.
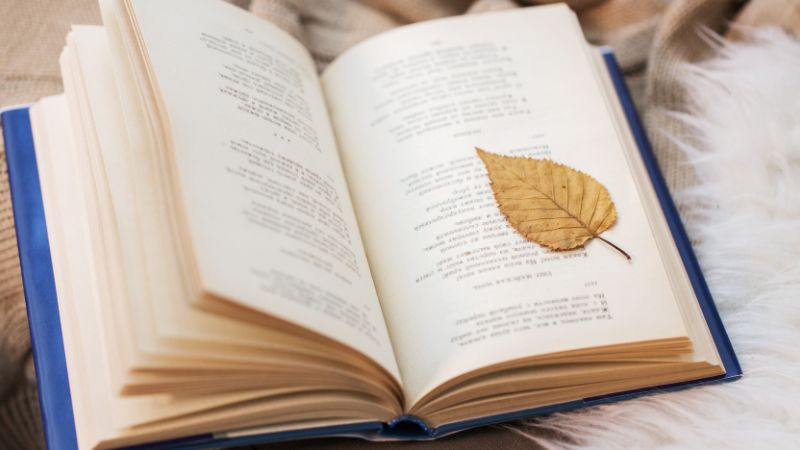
407 427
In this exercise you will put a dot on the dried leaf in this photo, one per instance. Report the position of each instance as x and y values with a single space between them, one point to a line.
549 203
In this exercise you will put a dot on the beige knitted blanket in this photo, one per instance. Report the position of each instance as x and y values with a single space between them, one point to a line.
651 38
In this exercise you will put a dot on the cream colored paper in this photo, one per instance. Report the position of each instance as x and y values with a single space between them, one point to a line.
268 212
460 289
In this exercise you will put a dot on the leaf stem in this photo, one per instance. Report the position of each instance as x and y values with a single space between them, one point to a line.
624 253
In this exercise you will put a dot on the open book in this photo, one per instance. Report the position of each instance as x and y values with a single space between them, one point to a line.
241 247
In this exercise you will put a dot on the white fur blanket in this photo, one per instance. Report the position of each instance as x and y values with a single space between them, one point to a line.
747 238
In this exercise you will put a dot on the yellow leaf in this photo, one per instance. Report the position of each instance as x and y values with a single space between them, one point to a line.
549 203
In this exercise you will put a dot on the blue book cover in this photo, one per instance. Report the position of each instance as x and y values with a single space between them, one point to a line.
48 347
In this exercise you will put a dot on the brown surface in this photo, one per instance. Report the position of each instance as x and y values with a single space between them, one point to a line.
782 13
481 438
33 33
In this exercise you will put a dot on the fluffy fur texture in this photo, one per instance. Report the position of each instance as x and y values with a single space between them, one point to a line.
746 153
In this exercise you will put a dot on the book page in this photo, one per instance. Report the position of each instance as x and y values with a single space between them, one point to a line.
460 288
259 181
